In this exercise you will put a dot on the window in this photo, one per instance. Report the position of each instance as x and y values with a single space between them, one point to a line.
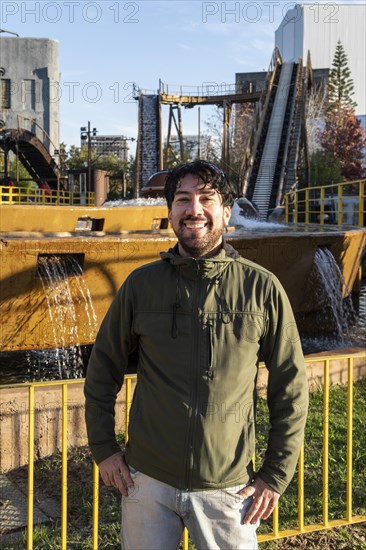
5 93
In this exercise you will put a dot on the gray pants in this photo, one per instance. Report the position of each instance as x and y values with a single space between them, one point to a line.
155 514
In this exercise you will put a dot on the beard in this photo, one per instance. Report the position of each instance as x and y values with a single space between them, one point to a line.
199 246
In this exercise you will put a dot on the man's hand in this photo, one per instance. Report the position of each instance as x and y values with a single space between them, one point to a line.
264 501
115 473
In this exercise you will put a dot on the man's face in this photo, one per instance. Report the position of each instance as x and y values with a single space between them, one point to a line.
198 217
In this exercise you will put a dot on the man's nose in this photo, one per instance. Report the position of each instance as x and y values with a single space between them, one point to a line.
195 207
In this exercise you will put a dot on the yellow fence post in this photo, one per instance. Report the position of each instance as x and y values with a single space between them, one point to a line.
340 204
185 539
326 444
275 521
361 210
349 439
296 207
64 470
322 197
95 532
301 491
127 404
307 217
30 468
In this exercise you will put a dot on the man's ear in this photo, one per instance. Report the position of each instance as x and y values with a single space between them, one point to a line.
227 214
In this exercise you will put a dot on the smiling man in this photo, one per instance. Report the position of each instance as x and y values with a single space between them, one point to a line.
198 217
199 320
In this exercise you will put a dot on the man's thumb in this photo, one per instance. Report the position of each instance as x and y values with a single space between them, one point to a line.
247 491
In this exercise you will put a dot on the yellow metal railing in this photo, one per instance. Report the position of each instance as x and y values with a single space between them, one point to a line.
339 204
52 197
276 533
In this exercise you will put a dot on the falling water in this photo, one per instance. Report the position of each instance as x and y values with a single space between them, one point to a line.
55 273
332 282
326 284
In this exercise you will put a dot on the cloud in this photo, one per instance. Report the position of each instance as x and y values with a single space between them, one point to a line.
191 27
184 46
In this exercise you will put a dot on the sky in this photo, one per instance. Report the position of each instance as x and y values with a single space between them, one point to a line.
108 46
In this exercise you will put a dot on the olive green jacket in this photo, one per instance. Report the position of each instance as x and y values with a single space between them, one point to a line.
200 328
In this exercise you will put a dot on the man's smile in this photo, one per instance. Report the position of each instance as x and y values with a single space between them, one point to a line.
194 224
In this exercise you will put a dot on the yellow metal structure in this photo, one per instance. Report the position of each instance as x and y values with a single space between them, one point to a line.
32 196
276 533
340 204
107 258
62 219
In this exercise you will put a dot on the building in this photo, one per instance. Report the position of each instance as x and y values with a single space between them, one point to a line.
30 88
194 146
317 28
105 145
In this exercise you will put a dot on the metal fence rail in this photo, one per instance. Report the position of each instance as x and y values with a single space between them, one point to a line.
339 204
52 197
276 533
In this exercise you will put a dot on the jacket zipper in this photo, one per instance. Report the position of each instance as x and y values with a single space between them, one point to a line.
210 368
196 377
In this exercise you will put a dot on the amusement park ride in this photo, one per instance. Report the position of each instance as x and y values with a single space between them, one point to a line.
269 158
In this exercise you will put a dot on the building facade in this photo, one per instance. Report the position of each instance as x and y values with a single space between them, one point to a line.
105 145
317 28
30 88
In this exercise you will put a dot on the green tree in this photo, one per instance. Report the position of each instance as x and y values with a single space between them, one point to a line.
122 173
16 171
344 139
324 169
340 85
342 136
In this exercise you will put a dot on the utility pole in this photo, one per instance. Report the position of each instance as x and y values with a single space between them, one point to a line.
86 134
88 187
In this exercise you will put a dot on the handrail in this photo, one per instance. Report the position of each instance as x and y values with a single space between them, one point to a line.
211 89
277 532
49 197
46 142
338 204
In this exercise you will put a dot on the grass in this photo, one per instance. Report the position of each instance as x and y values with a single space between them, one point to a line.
48 485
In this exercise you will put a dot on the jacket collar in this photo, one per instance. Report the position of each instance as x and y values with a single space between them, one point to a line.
205 268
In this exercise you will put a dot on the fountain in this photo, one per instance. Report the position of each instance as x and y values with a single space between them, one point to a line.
57 285
56 274
105 258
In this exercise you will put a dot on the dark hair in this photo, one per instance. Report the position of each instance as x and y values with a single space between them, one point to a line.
210 175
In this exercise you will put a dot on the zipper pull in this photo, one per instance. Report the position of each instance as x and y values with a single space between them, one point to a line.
210 369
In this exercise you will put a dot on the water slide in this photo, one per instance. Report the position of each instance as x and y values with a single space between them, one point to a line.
269 167
149 138
265 178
